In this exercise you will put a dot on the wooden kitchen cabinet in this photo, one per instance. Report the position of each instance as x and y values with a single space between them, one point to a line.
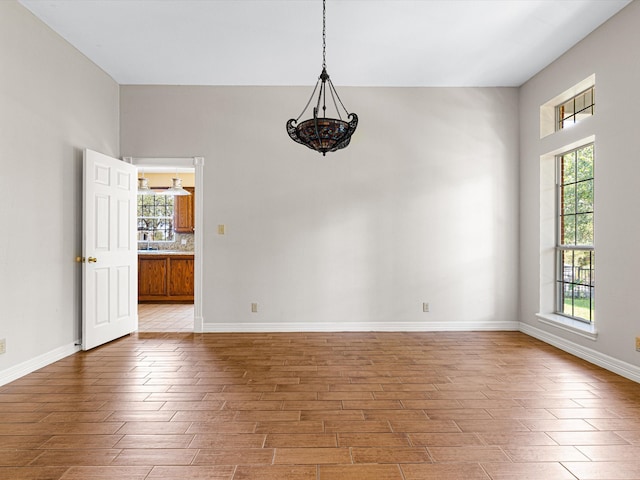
165 278
180 276
152 276
183 217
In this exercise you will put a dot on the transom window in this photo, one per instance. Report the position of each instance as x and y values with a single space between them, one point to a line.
575 275
575 109
155 218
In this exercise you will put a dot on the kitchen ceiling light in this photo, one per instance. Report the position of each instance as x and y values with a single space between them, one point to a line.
175 189
324 134
143 186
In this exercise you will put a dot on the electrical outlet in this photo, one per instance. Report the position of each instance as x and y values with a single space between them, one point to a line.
3 345
425 307
220 229
254 307
637 344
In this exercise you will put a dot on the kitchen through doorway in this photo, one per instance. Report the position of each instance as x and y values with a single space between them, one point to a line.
169 244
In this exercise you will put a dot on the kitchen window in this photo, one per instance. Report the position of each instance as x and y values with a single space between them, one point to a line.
155 218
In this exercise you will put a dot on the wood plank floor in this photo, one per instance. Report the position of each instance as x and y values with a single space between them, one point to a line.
324 406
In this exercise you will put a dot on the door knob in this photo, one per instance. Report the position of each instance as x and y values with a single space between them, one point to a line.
92 259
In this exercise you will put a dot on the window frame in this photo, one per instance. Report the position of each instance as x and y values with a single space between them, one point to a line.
561 248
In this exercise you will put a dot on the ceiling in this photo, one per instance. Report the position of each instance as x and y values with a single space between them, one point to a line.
400 43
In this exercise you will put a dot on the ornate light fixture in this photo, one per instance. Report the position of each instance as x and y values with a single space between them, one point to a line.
321 133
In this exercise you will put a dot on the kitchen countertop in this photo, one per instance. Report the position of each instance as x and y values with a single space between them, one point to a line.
163 252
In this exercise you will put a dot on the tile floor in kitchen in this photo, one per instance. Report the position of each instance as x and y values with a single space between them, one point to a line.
166 317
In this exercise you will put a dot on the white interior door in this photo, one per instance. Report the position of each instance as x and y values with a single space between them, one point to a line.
109 249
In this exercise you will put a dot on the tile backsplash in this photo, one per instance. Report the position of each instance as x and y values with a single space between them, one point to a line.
176 245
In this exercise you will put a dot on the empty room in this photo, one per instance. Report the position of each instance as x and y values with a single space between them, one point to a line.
319 239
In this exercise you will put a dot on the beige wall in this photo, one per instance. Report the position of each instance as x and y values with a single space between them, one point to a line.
53 103
421 207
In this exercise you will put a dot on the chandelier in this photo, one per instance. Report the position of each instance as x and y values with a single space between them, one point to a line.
321 133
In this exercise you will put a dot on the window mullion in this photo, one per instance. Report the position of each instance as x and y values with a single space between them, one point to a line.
575 189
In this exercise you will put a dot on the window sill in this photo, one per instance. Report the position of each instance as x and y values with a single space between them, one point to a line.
570 325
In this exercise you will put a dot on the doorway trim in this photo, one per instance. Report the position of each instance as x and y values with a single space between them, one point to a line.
197 163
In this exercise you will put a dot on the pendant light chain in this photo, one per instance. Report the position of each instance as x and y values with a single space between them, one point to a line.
324 77
324 34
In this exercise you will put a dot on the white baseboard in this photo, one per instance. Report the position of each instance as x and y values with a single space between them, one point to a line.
41 361
359 327
614 365
198 323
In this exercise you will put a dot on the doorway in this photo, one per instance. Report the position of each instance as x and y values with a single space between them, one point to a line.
168 252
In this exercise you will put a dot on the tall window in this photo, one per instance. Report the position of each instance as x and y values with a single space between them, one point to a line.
575 275
155 218
575 109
